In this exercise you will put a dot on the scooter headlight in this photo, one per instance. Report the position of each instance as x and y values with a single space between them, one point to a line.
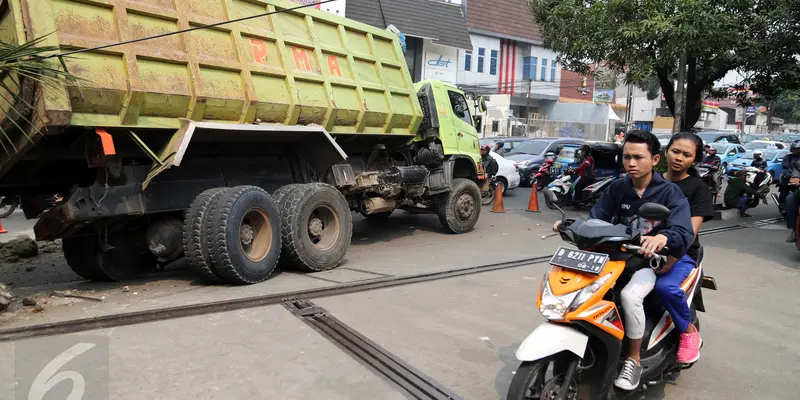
553 307
587 292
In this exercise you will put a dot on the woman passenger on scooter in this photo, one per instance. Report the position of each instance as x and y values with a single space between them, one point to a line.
683 150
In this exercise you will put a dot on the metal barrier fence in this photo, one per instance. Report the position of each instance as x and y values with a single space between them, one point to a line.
583 130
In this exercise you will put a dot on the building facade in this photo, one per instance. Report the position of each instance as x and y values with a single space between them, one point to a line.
507 57
434 32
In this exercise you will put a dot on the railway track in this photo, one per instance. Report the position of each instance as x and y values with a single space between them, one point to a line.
160 314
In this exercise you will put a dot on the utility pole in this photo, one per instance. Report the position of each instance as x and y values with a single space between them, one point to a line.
679 95
769 117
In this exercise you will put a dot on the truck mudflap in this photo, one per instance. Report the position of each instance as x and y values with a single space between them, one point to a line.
319 149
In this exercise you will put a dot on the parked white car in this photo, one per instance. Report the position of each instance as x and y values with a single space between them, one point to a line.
507 172
764 145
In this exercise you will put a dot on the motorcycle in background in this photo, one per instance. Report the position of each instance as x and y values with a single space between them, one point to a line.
7 205
563 188
707 172
762 188
546 172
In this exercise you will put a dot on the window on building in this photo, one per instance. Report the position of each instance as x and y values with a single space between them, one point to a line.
493 63
481 54
529 68
468 60
495 126
544 70
553 71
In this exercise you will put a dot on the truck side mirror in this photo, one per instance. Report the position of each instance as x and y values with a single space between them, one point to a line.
482 104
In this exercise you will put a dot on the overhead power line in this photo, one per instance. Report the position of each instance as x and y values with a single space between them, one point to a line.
69 53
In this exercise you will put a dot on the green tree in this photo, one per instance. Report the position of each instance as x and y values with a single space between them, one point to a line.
787 106
644 39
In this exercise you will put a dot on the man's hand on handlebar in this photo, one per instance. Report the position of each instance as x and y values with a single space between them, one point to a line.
794 181
555 226
651 245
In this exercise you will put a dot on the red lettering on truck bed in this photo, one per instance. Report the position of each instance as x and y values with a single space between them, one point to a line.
259 50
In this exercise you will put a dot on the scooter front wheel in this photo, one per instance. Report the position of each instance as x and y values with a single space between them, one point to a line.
531 381
551 205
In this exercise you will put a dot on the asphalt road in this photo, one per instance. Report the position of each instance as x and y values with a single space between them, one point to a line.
462 332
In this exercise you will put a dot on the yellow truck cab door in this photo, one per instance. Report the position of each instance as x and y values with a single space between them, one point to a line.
465 132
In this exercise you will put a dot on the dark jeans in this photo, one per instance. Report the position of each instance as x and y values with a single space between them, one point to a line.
792 202
743 204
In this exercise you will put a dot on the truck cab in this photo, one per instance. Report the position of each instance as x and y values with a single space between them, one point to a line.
448 120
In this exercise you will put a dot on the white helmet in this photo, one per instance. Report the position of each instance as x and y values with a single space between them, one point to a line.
757 153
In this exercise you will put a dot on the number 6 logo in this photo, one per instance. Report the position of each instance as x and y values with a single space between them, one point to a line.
46 380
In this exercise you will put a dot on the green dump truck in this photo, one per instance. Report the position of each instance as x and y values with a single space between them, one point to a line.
237 146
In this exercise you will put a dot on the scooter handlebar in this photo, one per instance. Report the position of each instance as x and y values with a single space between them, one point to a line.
664 251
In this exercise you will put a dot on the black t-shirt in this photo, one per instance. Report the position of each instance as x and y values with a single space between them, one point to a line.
700 203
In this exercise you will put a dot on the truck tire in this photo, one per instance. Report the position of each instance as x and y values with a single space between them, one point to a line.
243 237
460 208
121 261
316 226
280 196
194 235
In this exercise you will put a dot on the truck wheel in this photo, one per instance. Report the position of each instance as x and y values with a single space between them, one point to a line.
243 238
122 260
280 196
317 226
460 208
194 235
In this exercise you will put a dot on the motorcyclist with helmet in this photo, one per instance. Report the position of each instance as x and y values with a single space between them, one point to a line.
760 163
713 159
789 181
490 166
585 171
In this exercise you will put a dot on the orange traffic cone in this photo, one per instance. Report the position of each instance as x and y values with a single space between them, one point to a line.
498 206
2 230
533 203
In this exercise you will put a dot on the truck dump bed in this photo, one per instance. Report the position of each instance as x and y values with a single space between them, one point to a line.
295 67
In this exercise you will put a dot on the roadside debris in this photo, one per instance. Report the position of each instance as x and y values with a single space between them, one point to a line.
76 296
29 302
5 296
19 247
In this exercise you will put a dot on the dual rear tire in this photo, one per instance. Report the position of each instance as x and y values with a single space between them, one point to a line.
238 235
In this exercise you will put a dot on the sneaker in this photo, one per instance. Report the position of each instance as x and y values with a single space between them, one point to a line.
628 378
792 237
689 348
745 215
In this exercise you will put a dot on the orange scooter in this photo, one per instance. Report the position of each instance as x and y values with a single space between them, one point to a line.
584 336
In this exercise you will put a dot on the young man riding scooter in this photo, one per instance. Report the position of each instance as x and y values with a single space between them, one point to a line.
620 204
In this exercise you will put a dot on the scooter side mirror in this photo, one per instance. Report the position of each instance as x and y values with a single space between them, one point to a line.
654 212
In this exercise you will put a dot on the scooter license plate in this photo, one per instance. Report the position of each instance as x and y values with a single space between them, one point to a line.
579 260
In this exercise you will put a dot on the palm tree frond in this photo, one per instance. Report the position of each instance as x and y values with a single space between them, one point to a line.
28 61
